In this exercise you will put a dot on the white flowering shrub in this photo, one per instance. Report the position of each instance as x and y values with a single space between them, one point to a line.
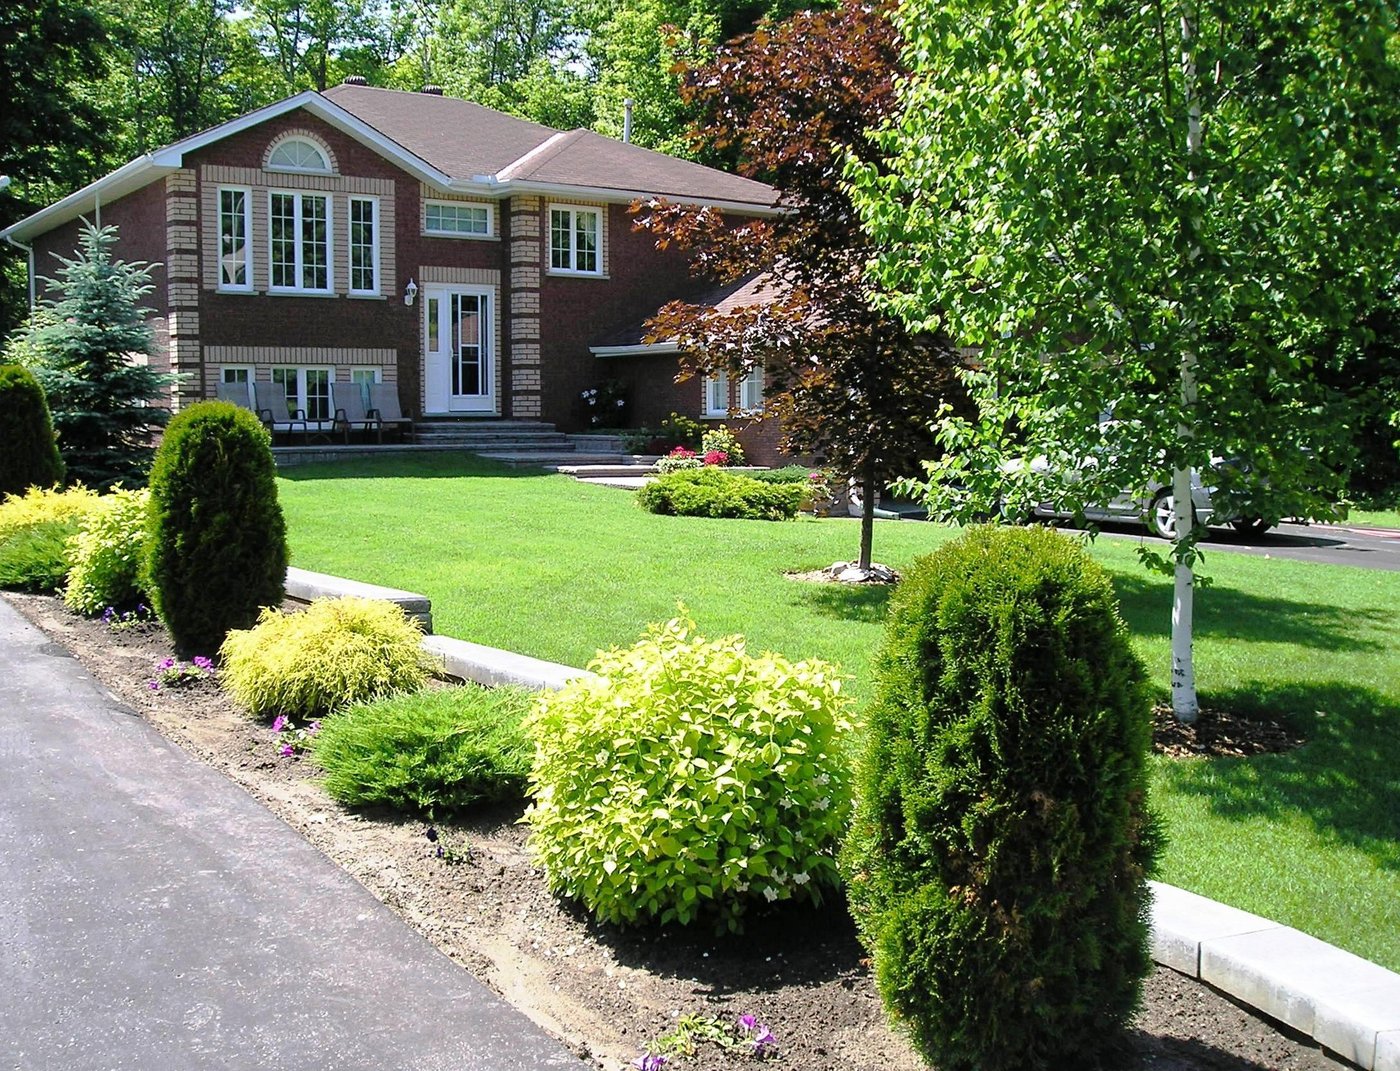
689 780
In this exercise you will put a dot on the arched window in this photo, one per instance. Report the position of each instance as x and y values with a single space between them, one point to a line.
298 154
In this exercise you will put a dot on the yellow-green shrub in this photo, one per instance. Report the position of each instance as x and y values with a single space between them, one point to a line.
689 779
36 530
336 652
107 552
40 506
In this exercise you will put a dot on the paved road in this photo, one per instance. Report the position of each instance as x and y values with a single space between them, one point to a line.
1368 548
154 917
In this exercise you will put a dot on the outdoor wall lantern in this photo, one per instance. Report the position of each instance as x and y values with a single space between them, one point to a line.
409 293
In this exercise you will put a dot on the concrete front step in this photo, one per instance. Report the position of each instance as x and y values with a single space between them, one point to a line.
605 471
563 447
545 459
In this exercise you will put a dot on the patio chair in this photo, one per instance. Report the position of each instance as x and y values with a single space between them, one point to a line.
271 402
351 414
237 393
384 403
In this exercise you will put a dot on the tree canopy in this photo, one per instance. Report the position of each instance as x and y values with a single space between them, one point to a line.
1166 213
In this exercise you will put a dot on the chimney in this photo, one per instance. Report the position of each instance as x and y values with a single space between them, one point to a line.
355 80
627 121
432 90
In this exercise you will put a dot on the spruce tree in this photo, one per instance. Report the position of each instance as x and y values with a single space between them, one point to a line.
86 346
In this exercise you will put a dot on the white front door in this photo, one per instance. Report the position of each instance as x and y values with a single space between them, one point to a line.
458 365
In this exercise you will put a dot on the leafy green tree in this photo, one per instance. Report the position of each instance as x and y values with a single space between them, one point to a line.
850 382
89 347
1165 212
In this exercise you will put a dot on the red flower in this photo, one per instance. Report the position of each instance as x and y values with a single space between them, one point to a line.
716 457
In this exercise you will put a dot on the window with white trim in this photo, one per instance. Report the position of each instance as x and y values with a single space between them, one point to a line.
575 239
364 245
239 375
299 245
235 241
307 389
751 390
716 395
364 378
450 220
298 154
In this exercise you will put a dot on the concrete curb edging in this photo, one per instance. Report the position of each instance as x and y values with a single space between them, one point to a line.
1343 1002
1347 1004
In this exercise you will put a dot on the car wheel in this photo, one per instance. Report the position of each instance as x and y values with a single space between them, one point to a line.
1159 516
1251 526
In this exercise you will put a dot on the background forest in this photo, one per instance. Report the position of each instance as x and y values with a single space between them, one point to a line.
91 85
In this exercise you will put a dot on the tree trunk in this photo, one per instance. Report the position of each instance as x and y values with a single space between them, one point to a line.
867 514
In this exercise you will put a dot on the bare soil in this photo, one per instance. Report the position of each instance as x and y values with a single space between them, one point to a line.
606 992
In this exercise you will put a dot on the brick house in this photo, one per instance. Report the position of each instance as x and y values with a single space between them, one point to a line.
480 262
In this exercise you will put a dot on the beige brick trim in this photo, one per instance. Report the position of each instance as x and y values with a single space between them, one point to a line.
182 181
181 238
524 278
462 276
303 134
291 180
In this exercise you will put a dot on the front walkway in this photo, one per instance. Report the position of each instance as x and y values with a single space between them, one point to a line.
155 917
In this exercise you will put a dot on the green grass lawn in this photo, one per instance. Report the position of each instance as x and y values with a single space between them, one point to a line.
1374 518
554 568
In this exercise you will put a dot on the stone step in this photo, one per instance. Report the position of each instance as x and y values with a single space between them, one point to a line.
484 424
594 472
543 458
498 442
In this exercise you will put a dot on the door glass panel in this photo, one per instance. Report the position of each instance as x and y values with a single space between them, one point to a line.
468 364
434 331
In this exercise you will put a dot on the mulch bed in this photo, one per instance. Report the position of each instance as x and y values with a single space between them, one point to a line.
1219 733
605 992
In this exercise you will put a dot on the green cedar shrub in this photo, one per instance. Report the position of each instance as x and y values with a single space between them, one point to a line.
216 551
722 439
37 557
689 780
107 554
28 453
999 857
713 492
319 661
432 753
787 474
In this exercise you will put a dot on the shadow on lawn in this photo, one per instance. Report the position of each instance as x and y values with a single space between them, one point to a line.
845 602
435 466
1231 613
1341 781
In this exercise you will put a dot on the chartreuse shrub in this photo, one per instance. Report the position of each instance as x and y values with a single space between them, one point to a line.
36 531
335 653
28 453
999 855
713 492
216 550
689 779
431 752
107 553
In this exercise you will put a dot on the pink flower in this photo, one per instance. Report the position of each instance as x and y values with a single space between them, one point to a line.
682 451
716 457
286 751
279 723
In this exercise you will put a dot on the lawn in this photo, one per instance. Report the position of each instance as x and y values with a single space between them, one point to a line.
1374 518
554 568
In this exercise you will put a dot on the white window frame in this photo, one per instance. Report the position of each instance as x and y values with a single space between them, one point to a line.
752 382
716 386
365 377
302 396
298 248
224 286
247 369
321 151
489 232
373 202
573 211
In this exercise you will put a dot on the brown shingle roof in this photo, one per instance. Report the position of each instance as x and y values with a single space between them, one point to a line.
467 141
761 289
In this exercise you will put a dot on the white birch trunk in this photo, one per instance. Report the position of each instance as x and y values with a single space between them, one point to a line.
1184 703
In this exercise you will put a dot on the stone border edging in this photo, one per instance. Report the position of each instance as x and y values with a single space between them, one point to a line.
1343 1002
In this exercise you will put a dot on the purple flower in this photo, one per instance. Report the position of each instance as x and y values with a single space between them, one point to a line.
763 1040
279 723
649 1062
153 685
108 614
430 833
313 728
200 662
286 751
169 663
747 1023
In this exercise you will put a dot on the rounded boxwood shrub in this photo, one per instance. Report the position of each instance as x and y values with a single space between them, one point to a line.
217 545
107 554
29 457
689 779
432 752
334 653
712 492
999 856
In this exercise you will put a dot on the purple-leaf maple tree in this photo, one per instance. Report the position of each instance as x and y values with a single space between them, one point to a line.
791 103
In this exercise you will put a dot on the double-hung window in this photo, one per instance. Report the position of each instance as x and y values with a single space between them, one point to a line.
716 395
239 375
300 242
307 389
575 239
364 245
751 390
235 239
750 393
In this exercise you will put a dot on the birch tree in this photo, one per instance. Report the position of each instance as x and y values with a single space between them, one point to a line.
1162 210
